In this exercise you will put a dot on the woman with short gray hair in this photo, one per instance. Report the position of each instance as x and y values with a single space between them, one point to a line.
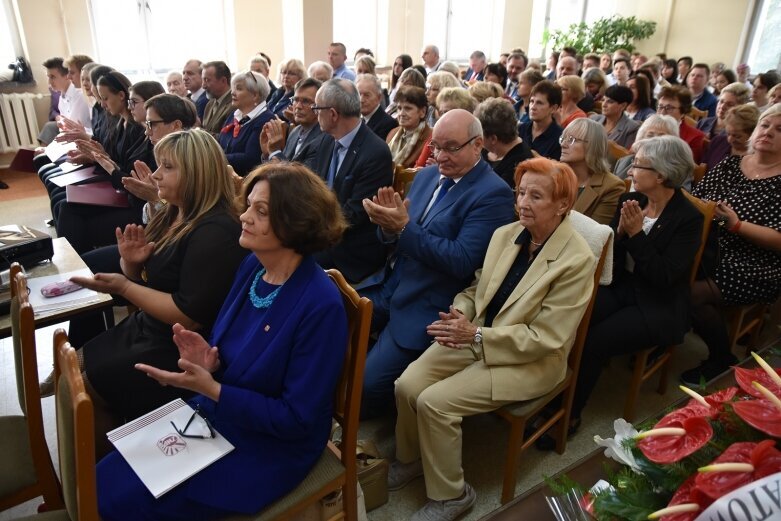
657 236
656 125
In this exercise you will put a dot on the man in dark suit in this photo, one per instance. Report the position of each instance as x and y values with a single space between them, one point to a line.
355 163
441 233
370 91
476 70
191 77
302 143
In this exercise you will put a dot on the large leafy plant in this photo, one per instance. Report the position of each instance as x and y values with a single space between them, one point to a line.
604 35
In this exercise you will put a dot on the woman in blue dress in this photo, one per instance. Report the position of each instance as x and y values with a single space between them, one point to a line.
268 387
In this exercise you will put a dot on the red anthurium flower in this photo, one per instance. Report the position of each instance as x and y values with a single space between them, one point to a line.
687 493
744 377
762 458
763 415
671 448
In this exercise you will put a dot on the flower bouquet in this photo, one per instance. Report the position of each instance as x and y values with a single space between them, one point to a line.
714 459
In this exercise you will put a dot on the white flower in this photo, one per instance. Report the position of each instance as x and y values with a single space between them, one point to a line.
614 447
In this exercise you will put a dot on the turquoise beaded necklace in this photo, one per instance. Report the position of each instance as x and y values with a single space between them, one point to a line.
262 302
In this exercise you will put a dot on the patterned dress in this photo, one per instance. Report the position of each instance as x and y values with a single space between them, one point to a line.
746 273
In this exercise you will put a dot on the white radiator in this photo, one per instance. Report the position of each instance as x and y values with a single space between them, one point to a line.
18 123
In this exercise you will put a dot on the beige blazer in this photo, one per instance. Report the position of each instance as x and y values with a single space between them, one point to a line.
599 198
527 345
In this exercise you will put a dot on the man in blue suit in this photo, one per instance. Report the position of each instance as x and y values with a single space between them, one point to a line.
191 77
353 161
476 70
441 233
697 81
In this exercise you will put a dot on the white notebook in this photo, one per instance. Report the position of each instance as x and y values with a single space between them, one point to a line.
79 297
162 458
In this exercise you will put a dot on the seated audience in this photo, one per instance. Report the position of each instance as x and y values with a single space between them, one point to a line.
240 135
455 98
657 234
572 91
621 71
503 149
670 72
410 138
164 266
676 101
370 90
71 105
503 339
584 148
483 90
454 69
430 57
270 396
542 132
174 84
640 108
217 84
516 64
400 64
596 82
723 78
656 125
290 73
302 142
496 73
441 234
619 128
353 176
435 82
526 81
410 77
774 94
365 65
476 70
192 77
684 66
747 267
337 55
763 82
697 81
261 64
320 71
739 124
731 96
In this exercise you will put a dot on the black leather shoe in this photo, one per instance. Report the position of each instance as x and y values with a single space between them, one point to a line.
546 442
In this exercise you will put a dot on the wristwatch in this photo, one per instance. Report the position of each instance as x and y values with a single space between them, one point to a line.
479 336
477 345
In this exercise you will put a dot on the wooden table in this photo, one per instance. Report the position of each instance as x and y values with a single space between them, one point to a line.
65 259
588 470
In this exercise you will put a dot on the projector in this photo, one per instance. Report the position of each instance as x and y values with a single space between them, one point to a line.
23 245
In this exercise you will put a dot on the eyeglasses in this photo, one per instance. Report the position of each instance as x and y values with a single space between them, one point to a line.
150 123
436 149
570 140
323 107
667 108
640 167
302 101
131 103
196 412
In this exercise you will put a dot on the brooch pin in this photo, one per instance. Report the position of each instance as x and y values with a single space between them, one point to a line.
266 329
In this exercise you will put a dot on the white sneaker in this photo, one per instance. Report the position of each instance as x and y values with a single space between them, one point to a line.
399 474
448 509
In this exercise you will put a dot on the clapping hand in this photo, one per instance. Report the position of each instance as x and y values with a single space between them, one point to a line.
140 183
193 377
193 348
276 131
388 210
631 220
132 244
113 283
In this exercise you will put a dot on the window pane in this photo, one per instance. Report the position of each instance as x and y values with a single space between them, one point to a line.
119 34
7 52
766 45
472 29
356 35
434 28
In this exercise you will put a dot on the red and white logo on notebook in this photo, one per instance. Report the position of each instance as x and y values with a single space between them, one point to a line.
171 445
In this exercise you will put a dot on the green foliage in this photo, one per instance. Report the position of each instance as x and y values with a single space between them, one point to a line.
604 35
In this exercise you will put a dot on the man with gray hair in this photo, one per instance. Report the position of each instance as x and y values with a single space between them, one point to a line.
260 64
430 57
476 70
370 91
193 82
355 163
441 233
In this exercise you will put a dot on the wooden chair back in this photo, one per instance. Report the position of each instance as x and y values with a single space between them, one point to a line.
597 107
75 433
697 114
627 185
699 173
519 413
616 151
402 178
690 121
707 209
26 368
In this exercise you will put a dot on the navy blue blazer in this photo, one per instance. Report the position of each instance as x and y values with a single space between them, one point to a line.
308 151
279 101
707 102
200 105
367 166
276 400
243 151
381 123
468 74
438 255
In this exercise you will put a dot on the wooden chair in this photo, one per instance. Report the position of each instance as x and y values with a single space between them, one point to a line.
597 107
26 469
690 121
519 413
745 320
699 173
641 373
336 469
697 114
616 151
627 185
75 438
402 177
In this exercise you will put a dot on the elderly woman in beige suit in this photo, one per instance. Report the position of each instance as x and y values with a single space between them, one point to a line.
584 148
506 338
